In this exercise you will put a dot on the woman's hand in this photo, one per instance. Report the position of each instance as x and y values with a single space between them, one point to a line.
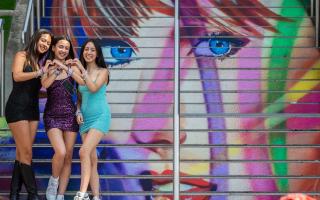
48 64
49 68
79 118
61 65
69 62
77 62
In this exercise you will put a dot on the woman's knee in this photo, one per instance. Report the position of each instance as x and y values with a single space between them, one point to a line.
68 158
25 155
60 153
84 153
94 159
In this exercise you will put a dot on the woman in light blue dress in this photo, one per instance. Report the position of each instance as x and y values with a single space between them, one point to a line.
94 115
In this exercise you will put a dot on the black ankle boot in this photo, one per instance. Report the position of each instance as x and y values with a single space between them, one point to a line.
29 181
16 182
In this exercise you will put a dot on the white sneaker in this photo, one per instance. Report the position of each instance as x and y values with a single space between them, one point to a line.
96 198
52 188
81 196
60 197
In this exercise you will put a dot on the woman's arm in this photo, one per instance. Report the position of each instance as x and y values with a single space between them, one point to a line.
49 77
78 112
76 75
102 79
17 68
72 71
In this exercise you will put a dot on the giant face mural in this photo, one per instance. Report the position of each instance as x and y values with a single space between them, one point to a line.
249 96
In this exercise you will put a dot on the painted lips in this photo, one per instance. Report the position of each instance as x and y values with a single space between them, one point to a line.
196 185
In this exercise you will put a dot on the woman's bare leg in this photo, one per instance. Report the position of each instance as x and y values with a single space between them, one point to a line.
23 138
56 139
69 141
90 141
94 178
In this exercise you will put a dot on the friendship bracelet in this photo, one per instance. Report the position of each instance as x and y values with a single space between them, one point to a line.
57 72
40 72
69 72
85 75
78 112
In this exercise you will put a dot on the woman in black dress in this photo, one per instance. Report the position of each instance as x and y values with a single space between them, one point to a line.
22 110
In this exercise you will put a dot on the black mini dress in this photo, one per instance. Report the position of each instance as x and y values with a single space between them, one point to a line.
23 102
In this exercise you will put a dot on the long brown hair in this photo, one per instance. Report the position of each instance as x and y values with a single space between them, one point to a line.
99 59
33 56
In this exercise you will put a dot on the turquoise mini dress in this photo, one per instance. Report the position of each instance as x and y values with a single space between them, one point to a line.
95 110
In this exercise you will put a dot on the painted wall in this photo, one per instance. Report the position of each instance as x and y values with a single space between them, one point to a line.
249 85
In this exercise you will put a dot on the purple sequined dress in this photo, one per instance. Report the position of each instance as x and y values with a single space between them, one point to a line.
60 110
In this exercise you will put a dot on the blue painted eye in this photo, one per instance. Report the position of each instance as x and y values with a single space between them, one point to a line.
219 45
121 52
117 52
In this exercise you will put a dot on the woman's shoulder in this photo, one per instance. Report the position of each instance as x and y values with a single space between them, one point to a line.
21 54
103 70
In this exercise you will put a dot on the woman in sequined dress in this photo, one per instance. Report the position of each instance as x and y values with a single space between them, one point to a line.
59 115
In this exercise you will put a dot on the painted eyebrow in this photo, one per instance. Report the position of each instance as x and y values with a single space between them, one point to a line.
126 42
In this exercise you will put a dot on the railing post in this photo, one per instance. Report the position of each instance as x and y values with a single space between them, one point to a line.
43 8
176 115
2 103
38 14
32 19
29 22
312 8
317 22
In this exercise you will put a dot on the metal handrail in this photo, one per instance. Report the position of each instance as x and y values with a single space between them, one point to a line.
40 11
311 8
29 22
317 22
2 66
43 8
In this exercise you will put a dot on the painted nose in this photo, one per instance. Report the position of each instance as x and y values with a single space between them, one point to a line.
157 131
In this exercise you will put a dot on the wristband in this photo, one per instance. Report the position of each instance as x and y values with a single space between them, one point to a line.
69 72
57 72
85 75
78 112
40 72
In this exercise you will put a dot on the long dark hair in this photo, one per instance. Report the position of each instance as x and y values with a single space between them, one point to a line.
54 43
33 56
99 59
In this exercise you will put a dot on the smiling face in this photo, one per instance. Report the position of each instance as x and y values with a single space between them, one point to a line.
61 49
90 52
44 43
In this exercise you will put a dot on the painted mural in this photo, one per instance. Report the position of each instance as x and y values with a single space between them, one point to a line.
249 99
